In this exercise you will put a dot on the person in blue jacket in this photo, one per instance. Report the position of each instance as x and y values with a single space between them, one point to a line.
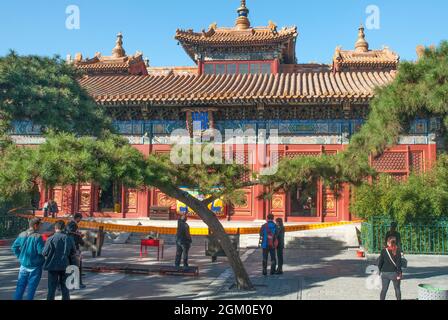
28 248
60 252
268 236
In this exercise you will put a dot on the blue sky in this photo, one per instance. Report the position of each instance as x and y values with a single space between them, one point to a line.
38 27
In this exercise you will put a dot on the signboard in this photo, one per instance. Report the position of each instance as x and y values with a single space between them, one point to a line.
216 206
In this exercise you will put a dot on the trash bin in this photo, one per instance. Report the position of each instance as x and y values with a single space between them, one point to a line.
429 292
213 248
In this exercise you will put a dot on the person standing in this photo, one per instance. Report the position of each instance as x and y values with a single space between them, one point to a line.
268 234
54 210
28 248
59 252
77 237
35 198
281 244
46 208
389 265
183 241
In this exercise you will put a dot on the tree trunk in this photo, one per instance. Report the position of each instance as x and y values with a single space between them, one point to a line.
241 276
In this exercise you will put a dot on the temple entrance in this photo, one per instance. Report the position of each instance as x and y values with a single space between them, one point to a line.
303 200
110 198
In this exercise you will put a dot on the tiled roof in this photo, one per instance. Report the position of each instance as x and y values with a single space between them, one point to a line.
345 60
304 67
108 65
232 36
223 38
117 64
174 70
236 89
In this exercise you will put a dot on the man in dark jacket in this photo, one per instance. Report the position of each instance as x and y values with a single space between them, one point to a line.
183 241
28 249
72 231
59 252
268 236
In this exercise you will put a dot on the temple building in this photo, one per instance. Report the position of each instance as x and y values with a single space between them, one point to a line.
244 78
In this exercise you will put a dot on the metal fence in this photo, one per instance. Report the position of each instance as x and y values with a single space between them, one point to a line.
416 238
11 226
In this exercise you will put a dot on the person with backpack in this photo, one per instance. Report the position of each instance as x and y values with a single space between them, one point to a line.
269 242
59 252
281 244
28 248
389 265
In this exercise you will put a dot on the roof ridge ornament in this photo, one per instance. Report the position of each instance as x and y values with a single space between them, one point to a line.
272 26
118 51
361 44
242 22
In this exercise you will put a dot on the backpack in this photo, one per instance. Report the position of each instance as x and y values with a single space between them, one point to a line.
272 239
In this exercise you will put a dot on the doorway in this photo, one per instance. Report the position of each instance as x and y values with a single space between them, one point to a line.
303 200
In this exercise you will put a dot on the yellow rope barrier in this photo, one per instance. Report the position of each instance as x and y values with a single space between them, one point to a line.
194 231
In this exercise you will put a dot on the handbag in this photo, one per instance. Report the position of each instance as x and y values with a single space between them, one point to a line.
404 262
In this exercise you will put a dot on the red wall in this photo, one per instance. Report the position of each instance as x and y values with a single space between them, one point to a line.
398 161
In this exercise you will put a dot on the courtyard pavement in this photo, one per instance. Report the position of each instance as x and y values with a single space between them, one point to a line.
335 274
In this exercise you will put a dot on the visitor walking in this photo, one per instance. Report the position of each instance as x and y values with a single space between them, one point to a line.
281 244
77 237
59 252
268 242
28 249
183 241
393 233
389 265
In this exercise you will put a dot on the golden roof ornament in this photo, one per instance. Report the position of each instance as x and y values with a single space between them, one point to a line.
361 44
118 51
272 26
242 22
213 26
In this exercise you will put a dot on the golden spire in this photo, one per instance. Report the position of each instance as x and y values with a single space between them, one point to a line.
118 51
242 22
361 44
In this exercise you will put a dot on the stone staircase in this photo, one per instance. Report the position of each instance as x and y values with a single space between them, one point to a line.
337 238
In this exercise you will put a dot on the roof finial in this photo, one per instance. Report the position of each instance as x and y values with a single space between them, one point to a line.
242 22
361 44
118 51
